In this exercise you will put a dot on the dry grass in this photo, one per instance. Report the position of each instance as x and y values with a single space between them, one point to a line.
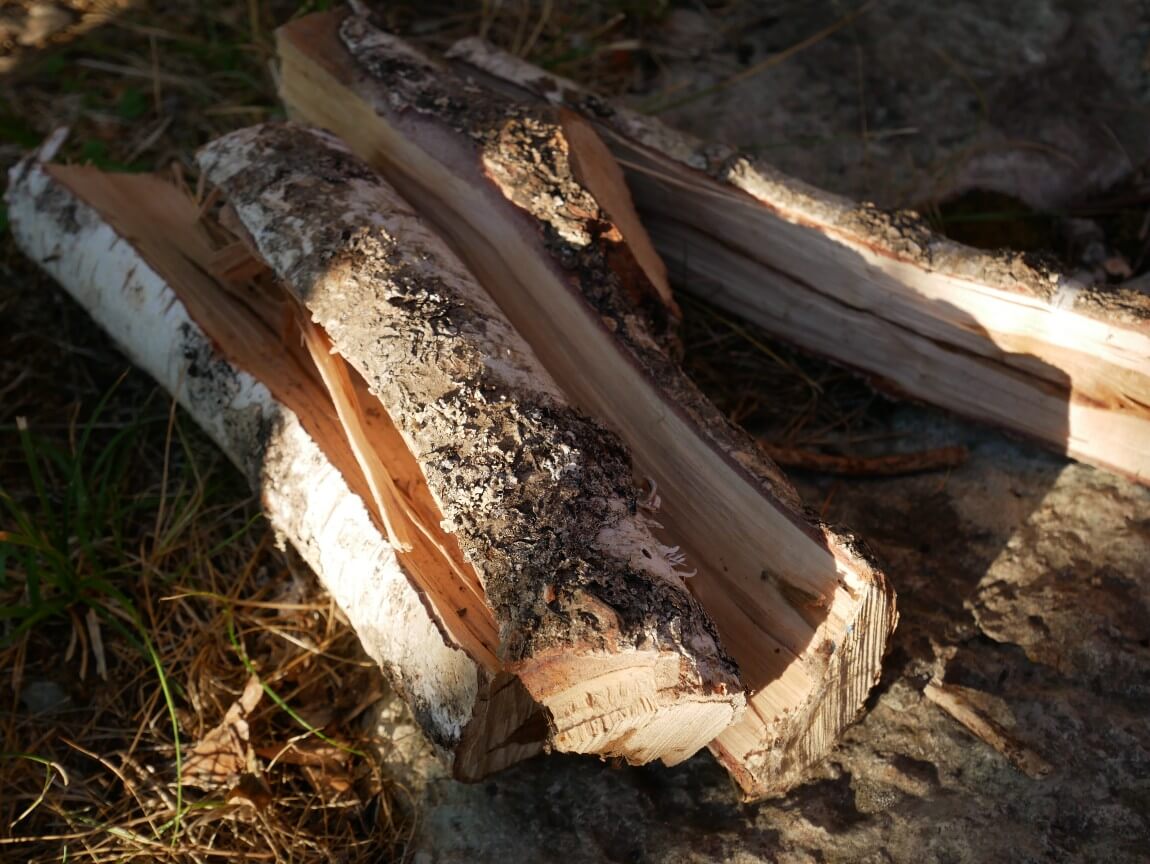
158 595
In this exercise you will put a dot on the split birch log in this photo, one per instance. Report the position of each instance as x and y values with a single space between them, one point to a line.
531 203
991 336
521 603
569 590
122 265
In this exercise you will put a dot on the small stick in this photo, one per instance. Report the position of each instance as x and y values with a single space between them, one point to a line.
889 465
960 703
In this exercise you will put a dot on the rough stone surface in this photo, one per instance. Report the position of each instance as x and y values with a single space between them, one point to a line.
1041 99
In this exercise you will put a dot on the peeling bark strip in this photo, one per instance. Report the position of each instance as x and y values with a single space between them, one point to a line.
590 613
804 614
986 335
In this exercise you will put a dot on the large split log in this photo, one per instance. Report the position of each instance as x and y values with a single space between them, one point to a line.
992 336
569 589
529 200
139 271
481 535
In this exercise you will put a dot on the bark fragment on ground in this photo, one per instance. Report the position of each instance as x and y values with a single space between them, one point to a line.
581 635
995 337
801 610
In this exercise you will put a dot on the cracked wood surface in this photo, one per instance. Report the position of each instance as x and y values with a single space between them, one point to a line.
993 336
801 610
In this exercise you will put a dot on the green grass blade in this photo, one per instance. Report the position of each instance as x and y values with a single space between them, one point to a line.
234 638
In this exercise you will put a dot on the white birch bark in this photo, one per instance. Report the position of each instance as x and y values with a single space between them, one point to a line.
305 497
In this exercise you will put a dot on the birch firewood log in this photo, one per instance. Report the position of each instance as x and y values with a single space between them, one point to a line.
530 200
569 590
995 337
130 250
481 535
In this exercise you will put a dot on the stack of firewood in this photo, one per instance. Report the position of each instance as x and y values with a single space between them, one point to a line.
441 346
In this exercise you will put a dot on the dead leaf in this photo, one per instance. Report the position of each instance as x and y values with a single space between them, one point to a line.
251 789
225 751
324 765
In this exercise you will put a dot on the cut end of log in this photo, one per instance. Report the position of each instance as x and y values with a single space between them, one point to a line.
843 663
636 705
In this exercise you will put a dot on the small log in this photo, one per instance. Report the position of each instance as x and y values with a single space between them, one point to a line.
992 336
976 711
889 465
516 191
521 603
